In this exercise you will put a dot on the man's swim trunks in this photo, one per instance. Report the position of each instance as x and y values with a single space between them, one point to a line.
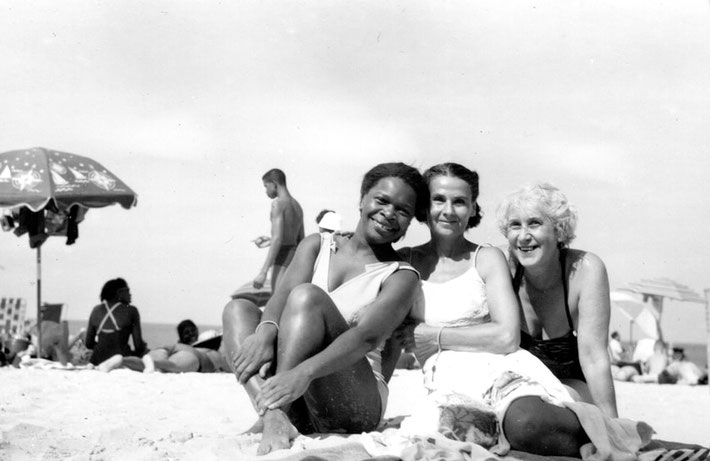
285 255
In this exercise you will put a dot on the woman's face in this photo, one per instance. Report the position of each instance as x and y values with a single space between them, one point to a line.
124 295
387 209
531 237
451 206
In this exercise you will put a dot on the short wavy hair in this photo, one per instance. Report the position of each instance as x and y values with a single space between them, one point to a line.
110 289
547 199
406 173
456 170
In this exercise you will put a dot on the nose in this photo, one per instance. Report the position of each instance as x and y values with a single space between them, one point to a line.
448 208
388 211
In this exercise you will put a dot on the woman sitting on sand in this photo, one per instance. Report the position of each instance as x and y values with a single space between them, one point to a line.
112 323
326 323
564 292
469 335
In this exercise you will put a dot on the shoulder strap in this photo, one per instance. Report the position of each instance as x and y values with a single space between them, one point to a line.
518 277
563 253
109 313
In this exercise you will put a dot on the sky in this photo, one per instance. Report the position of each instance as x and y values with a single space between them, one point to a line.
189 103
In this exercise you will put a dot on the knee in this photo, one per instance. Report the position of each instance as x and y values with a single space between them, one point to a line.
303 298
238 309
522 424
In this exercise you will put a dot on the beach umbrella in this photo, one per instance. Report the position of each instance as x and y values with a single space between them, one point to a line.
50 191
658 289
636 312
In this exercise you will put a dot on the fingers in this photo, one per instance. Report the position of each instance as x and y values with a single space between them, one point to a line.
273 395
264 369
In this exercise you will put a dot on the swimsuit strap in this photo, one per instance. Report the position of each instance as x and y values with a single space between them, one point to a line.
108 314
518 281
563 253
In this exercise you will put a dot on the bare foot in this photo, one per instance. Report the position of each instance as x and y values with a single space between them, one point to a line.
148 363
277 434
111 363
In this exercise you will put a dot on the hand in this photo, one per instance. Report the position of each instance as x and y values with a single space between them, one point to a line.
425 342
281 389
404 334
259 280
255 355
262 241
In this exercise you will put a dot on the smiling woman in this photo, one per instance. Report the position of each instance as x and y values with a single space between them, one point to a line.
326 324
564 292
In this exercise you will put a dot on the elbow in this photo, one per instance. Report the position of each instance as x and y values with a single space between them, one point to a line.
509 341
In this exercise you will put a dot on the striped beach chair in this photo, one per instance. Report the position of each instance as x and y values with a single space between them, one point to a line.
12 317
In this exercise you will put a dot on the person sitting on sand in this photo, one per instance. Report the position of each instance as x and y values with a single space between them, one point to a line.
564 292
112 323
325 325
466 335
183 357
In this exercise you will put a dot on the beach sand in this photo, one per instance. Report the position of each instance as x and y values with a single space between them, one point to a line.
90 415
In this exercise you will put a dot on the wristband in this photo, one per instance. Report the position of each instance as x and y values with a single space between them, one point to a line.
271 322
438 338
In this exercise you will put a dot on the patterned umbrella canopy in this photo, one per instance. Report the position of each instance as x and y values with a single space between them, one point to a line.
34 177
48 183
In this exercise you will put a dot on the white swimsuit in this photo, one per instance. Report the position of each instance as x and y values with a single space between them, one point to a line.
354 296
493 378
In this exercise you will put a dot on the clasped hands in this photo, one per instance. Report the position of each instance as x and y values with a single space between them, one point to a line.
417 338
256 356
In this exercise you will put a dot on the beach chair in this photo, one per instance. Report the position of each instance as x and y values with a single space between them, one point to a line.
12 318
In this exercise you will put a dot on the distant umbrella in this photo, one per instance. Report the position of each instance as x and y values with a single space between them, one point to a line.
636 312
45 186
658 289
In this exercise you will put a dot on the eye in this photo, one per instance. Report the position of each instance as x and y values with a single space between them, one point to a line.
437 198
514 225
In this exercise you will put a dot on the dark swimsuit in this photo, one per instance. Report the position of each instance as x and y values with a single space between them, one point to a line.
560 355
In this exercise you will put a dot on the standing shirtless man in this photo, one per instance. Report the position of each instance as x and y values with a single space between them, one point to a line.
286 227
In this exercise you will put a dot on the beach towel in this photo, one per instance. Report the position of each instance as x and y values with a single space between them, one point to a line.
616 439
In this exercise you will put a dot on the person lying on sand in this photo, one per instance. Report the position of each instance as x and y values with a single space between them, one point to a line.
326 324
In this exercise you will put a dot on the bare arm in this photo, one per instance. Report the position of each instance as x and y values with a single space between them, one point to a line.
374 327
138 344
593 332
90 340
257 349
500 335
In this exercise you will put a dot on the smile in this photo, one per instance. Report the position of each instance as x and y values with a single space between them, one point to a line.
383 227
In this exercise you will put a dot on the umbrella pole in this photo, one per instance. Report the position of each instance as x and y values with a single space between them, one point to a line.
39 302
707 327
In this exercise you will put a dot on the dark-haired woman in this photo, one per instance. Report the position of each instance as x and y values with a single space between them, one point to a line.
112 323
327 322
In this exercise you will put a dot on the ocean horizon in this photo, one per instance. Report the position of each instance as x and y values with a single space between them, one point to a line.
154 334
162 334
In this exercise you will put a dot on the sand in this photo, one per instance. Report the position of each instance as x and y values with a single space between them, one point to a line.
90 415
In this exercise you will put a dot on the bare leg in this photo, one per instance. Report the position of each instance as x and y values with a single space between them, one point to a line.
180 362
239 319
309 323
538 427
111 363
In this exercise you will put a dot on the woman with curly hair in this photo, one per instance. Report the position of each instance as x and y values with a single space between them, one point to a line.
564 292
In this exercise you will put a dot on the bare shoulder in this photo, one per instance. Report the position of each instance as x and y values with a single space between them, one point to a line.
311 242
490 257
585 262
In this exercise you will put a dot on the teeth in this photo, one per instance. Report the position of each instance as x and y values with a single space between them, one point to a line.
384 227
